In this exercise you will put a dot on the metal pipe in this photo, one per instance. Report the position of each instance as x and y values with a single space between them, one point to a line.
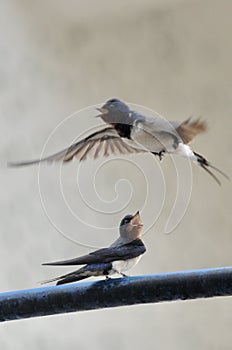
83 296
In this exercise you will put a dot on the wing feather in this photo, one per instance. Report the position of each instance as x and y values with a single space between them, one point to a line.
106 255
101 143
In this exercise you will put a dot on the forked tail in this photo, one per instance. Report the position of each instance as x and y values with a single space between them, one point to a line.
206 165
69 278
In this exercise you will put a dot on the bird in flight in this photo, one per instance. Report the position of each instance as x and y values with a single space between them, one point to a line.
121 256
130 132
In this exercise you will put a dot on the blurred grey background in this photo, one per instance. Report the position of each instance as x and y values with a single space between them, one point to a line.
57 57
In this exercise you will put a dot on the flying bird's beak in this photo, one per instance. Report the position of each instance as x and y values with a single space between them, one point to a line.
136 220
102 110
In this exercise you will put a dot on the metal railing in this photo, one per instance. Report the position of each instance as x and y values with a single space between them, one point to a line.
114 292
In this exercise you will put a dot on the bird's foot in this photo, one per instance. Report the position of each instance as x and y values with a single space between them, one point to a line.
161 154
123 274
107 278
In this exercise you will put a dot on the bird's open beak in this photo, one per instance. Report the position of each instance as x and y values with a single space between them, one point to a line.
102 110
136 220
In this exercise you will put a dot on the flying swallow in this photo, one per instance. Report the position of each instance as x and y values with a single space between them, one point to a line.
121 256
129 132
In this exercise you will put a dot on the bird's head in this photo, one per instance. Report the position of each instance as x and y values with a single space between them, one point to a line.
131 226
114 111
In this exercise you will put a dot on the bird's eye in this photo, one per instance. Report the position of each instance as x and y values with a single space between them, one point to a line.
126 220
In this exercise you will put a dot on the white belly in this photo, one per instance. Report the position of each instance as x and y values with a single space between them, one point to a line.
124 265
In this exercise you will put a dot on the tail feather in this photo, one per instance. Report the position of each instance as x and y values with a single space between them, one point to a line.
70 277
206 165
50 280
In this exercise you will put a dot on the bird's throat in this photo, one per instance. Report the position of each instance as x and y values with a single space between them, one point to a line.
124 130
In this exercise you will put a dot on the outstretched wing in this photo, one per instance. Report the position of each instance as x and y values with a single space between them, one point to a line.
101 143
106 255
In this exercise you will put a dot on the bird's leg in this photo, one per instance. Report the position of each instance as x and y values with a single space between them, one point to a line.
120 273
123 274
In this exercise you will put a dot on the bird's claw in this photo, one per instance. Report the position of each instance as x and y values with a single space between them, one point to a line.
123 275
161 154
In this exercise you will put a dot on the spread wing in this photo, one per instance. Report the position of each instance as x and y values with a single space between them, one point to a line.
105 142
106 255
189 129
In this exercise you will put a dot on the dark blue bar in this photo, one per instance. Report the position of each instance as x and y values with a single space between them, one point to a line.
83 296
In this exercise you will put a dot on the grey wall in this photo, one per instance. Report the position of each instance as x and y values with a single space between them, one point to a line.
58 57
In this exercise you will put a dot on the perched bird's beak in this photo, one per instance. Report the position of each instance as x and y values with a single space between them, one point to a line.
136 220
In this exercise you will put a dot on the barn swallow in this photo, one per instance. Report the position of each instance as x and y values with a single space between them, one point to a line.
131 132
121 256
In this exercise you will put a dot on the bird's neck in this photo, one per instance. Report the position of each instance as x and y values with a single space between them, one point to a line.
131 233
120 121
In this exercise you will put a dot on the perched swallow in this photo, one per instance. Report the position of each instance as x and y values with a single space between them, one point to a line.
121 256
131 132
